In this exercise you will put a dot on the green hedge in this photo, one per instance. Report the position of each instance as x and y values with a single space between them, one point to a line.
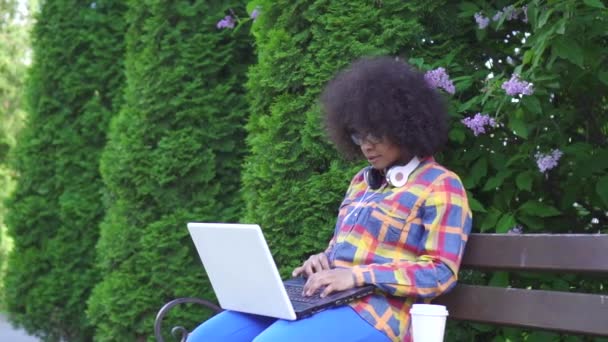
174 155
53 215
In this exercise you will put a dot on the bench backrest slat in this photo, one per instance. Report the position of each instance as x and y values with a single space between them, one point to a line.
552 310
537 252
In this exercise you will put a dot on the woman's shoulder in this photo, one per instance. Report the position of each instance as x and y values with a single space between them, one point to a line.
433 172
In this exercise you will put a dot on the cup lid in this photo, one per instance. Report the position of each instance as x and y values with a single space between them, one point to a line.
429 309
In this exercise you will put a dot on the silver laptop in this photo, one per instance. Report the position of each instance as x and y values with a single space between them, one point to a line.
245 278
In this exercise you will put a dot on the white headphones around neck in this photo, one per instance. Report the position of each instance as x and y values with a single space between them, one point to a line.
396 176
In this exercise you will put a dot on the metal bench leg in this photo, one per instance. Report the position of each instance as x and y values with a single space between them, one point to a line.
179 329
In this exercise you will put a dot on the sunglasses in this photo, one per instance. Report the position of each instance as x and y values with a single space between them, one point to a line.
359 139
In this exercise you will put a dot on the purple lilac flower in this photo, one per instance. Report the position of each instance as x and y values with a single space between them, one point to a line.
255 13
497 16
479 122
482 21
515 86
438 78
524 11
548 161
227 22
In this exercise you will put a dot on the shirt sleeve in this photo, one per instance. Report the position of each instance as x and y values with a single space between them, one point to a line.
446 218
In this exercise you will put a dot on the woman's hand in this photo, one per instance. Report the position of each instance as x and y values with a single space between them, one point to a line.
338 279
315 263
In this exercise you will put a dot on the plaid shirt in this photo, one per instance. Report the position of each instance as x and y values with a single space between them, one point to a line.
406 241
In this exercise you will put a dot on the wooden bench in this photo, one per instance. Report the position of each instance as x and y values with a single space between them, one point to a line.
559 311
568 312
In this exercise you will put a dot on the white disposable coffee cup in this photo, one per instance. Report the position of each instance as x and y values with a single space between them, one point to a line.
428 322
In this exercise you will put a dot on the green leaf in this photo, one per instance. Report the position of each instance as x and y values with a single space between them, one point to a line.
560 26
497 180
478 171
569 49
457 135
532 223
518 126
506 222
467 105
499 279
602 189
490 219
515 159
532 104
533 14
535 208
475 205
594 3
524 181
528 55
578 149
544 17
468 7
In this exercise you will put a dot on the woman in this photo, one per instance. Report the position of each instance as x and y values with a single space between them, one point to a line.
402 225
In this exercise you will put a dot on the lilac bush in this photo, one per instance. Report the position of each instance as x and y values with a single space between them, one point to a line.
551 105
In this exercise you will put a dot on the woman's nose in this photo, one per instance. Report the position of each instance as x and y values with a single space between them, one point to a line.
366 145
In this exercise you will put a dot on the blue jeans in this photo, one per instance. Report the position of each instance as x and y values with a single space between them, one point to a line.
338 324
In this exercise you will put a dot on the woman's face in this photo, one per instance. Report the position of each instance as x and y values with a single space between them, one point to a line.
380 152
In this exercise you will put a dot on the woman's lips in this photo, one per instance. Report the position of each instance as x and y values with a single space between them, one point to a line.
372 158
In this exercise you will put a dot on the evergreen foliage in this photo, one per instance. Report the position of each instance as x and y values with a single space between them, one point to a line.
174 155
75 78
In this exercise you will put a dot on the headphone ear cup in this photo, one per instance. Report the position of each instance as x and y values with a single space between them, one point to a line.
373 178
397 176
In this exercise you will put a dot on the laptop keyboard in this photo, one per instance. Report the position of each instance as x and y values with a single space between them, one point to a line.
295 294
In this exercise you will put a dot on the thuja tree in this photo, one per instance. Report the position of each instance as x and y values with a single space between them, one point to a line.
54 212
526 86
174 155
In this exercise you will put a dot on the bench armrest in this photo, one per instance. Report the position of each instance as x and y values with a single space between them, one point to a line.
179 329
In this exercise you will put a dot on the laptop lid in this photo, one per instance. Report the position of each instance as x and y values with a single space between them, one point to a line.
241 269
